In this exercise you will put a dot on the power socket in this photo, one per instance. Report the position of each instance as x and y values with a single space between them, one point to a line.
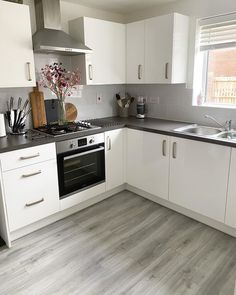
99 98
154 99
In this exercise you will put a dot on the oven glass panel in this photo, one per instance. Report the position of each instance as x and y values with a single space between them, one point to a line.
80 171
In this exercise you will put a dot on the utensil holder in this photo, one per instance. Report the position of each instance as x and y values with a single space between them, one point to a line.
123 112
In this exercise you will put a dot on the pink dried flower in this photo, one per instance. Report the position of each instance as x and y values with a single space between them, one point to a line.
58 80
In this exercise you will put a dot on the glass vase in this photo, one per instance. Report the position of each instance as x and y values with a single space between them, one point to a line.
61 112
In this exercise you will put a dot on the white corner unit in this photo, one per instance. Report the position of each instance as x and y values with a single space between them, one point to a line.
157 50
17 59
106 63
114 158
147 160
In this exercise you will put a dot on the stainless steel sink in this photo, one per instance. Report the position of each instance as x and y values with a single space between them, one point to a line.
199 130
230 135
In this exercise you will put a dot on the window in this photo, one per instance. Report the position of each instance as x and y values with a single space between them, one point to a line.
216 69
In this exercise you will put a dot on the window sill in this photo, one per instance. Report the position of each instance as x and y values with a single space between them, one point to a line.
216 106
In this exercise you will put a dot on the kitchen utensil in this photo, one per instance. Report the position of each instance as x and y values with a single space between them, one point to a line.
12 114
71 112
38 108
16 117
124 104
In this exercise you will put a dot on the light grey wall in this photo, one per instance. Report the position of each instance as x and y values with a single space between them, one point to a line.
71 11
175 103
86 103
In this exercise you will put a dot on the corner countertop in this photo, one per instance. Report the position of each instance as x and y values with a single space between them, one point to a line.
166 127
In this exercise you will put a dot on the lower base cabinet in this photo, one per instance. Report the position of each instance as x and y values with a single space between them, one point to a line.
199 176
148 162
31 193
114 157
230 217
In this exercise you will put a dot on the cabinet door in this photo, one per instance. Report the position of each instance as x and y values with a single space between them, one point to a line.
135 40
148 162
230 218
158 49
106 64
199 176
16 54
31 193
114 158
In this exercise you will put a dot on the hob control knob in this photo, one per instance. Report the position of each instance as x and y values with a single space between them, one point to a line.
91 140
72 145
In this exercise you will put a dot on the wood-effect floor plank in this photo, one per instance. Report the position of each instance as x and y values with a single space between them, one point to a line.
124 245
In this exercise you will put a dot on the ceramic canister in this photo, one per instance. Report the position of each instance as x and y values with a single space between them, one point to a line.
2 125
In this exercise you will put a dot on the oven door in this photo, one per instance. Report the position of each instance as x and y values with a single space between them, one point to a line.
81 169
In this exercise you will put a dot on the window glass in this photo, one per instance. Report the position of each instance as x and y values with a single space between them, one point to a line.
221 77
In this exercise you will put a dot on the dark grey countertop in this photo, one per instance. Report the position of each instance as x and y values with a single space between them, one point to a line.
14 142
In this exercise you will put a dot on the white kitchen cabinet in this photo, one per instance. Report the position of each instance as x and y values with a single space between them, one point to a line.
16 54
29 185
24 157
199 176
148 162
230 217
106 63
135 57
163 46
34 194
114 146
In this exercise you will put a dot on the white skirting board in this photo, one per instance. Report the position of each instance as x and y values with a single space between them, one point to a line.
62 214
203 219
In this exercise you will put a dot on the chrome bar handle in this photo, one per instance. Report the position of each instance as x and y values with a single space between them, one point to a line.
34 203
31 174
29 72
85 153
164 148
174 151
90 72
30 157
139 72
167 71
108 143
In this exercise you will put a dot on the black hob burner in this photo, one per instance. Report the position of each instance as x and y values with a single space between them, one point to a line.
70 127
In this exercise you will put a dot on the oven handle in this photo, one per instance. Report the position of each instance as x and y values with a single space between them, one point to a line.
85 153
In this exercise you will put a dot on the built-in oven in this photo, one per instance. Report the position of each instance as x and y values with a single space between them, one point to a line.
81 164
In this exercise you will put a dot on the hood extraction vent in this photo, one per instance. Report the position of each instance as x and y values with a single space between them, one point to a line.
49 37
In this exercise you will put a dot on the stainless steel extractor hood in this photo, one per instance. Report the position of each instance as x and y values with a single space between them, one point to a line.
49 37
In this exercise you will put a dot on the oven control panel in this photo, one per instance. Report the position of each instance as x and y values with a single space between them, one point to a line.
77 143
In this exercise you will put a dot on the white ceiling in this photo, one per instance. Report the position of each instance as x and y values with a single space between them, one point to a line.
120 6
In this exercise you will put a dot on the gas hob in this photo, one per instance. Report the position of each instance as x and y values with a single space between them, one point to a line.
68 128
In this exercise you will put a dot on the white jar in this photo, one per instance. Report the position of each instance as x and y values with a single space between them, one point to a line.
2 125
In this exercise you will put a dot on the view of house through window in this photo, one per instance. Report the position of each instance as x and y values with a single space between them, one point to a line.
221 77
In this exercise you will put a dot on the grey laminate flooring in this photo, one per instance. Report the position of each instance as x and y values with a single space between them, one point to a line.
123 245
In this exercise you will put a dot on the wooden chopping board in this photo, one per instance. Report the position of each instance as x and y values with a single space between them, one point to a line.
38 107
71 111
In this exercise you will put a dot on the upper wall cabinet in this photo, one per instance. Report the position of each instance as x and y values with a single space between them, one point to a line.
16 54
135 39
106 63
157 50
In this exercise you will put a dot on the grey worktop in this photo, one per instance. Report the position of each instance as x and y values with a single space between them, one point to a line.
14 142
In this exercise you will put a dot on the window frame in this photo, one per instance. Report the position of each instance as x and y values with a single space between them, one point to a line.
200 81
